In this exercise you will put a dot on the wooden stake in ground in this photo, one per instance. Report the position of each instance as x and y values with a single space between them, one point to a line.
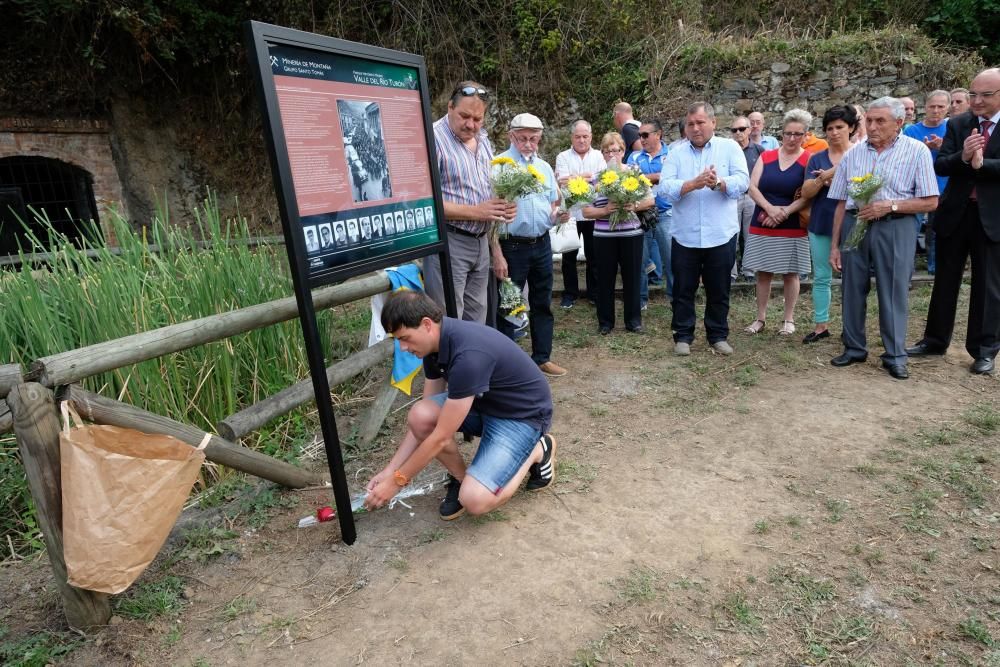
36 425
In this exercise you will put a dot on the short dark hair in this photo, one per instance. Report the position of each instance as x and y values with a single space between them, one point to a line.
407 308
844 112
456 92
655 122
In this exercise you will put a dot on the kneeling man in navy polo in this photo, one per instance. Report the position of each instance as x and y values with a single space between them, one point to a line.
478 382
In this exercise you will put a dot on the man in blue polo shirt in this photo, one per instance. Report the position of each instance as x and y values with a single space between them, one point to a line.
523 252
931 131
478 382
650 161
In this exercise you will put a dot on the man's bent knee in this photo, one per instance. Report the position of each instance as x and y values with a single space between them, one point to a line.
423 417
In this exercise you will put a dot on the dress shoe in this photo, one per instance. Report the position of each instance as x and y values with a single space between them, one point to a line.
846 360
923 349
814 336
982 366
897 371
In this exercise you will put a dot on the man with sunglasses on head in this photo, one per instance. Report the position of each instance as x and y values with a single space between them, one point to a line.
524 253
650 161
739 129
464 154
967 224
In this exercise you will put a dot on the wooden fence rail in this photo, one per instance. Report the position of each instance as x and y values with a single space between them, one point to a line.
101 410
75 365
252 418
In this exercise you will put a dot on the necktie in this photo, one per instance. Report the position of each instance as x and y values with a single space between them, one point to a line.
984 129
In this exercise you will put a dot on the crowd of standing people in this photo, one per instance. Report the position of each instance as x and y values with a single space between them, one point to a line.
721 207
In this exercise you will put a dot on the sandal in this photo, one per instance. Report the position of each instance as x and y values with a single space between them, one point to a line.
787 328
755 327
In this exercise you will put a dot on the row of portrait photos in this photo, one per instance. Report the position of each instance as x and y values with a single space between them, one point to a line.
341 234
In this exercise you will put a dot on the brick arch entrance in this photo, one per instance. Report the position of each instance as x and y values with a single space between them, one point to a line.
33 185
75 153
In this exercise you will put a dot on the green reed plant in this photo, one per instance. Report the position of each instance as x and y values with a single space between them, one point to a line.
75 300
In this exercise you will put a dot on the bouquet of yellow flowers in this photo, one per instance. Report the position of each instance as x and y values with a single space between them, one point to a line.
512 180
512 304
578 190
623 185
862 190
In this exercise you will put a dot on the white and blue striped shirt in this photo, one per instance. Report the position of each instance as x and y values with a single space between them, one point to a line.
465 176
905 166
704 218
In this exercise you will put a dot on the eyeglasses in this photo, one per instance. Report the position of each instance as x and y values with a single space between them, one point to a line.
469 91
985 96
646 135
529 139
792 135
734 130
613 150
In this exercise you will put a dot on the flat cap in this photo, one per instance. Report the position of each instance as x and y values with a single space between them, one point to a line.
526 121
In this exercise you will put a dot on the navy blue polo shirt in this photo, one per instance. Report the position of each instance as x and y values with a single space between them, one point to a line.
479 361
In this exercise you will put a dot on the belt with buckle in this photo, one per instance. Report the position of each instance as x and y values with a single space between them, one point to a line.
522 240
465 232
888 216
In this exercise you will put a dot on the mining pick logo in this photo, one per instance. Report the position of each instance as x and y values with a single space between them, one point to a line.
274 62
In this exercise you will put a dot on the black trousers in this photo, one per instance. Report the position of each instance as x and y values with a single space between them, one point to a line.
711 266
610 254
982 338
571 282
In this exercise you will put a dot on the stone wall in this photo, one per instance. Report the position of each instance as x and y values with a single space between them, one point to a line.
780 87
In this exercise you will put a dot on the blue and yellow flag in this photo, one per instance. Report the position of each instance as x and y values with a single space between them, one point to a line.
405 365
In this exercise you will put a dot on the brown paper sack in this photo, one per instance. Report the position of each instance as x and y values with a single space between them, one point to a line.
122 491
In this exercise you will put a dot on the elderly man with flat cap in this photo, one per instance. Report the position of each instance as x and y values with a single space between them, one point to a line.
523 252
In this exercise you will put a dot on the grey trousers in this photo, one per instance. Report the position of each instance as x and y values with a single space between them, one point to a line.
888 249
745 209
470 270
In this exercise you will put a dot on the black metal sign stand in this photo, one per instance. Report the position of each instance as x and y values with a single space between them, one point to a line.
261 39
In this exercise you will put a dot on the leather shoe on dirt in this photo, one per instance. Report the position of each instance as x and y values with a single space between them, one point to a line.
983 366
923 349
551 369
898 371
846 360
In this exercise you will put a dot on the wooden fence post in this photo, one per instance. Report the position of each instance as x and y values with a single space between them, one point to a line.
378 411
36 425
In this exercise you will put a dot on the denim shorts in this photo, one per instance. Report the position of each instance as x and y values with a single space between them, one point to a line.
504 446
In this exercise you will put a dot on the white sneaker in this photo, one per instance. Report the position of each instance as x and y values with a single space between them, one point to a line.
722 347
682 349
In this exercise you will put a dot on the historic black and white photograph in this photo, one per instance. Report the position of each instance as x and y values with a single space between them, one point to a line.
377 226
429 216
352 230
341 235
364 150
366 228
410 224
420 218
400 224
312 241
325 237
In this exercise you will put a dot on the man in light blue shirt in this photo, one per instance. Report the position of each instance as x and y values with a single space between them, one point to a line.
704 178
523 252
757 135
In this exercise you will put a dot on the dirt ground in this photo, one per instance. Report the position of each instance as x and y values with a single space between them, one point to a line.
759 509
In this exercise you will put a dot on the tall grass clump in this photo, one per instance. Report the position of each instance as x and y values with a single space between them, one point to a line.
75 300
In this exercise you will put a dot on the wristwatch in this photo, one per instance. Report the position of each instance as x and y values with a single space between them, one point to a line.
895 206
717 186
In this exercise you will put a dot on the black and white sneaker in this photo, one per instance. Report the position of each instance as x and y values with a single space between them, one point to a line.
542 473
450 507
